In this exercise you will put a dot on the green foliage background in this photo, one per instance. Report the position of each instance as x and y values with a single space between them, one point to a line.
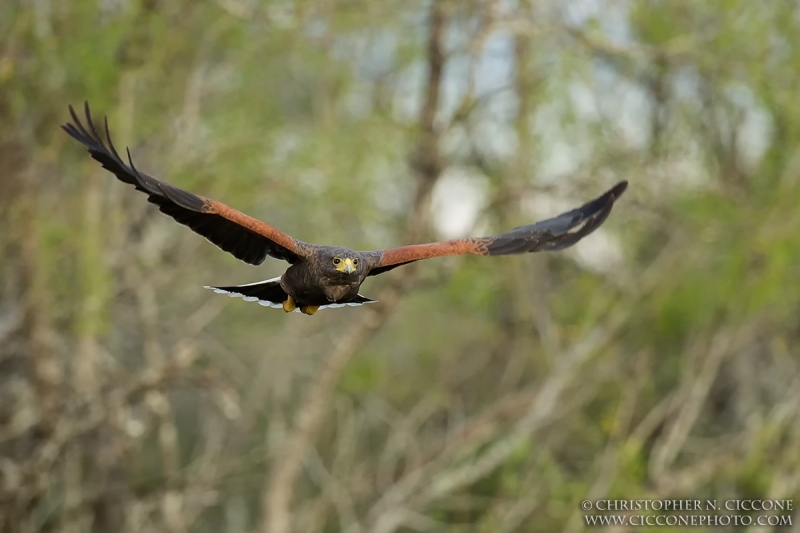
656 359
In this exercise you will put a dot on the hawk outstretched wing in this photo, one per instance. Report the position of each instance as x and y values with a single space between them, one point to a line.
545 236
246 238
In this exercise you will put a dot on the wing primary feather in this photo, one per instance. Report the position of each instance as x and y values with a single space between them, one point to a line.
137 178
78 123
130 162
111 144
92 129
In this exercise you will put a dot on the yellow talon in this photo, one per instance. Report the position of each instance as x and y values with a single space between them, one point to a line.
289 305
309 309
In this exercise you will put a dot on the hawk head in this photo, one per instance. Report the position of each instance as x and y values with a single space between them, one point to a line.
342 263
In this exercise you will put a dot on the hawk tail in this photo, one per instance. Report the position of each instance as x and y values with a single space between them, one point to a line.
269 293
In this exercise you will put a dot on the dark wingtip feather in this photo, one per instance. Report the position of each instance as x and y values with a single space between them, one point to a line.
619 188
558 232
92 129
616 191
598 205
186 208
130 161
90 137
108 139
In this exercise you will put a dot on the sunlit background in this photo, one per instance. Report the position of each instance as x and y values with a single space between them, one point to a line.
656 359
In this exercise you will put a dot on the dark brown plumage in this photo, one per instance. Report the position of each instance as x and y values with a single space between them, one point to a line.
322 276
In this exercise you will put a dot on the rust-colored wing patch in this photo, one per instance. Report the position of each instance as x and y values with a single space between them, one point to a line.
246 238
256 226
385 260
547 235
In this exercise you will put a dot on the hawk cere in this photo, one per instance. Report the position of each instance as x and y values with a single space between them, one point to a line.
323 276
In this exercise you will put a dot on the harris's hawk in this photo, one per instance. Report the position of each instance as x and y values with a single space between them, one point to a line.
323 276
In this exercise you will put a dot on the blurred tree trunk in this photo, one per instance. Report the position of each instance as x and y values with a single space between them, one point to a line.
428 166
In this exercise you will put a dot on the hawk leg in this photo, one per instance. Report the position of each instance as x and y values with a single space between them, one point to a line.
289 304
309 309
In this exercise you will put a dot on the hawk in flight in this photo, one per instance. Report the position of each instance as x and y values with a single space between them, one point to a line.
322 276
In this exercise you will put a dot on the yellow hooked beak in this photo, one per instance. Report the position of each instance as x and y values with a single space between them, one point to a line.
346 265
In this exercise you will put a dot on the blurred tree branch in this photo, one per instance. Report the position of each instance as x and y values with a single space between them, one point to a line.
428 166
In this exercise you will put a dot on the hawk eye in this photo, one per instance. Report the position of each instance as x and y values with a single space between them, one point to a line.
336 260
355 262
